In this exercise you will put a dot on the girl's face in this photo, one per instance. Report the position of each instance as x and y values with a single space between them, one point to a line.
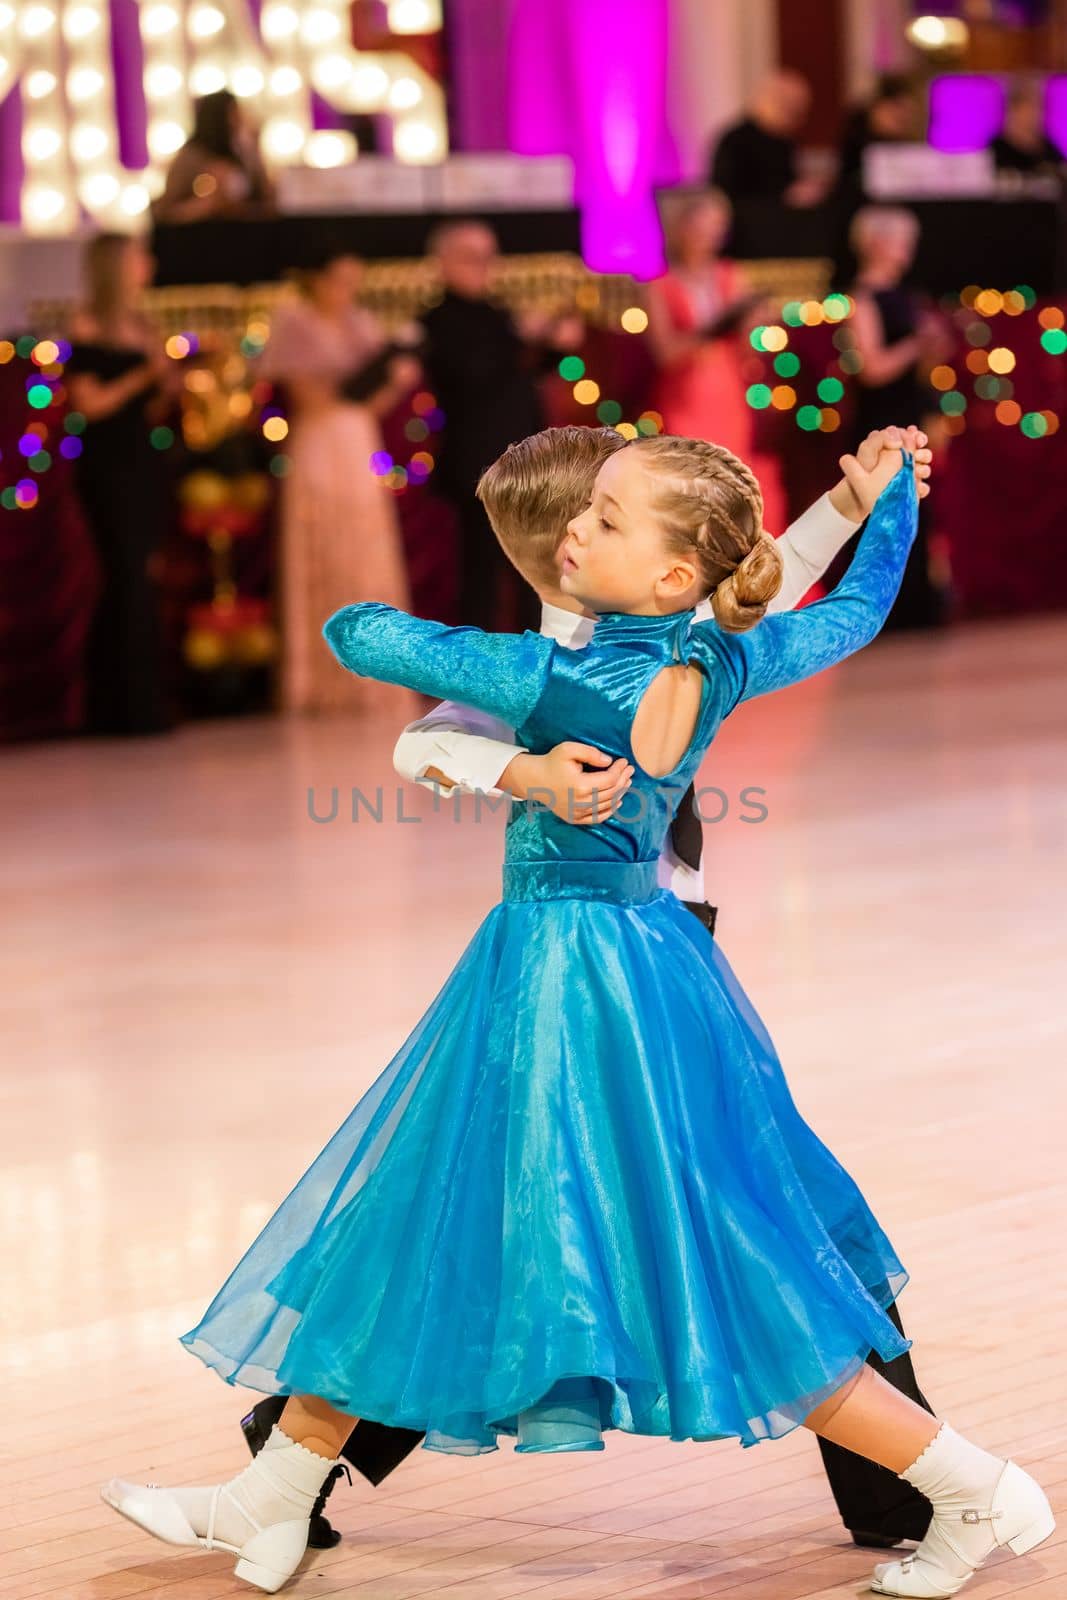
615 556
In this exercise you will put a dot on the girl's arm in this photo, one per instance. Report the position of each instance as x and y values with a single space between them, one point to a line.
792 645
502 674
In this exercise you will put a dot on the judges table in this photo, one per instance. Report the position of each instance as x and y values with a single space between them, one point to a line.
991 241
263 250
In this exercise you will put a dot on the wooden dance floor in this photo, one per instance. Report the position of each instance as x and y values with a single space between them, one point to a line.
201 981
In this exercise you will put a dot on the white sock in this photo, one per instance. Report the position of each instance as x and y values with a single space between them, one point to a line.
954 1474
281 1485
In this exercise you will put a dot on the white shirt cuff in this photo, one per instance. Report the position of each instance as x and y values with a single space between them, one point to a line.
473 763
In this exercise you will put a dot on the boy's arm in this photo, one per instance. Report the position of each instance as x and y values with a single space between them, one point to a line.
807 548
457 747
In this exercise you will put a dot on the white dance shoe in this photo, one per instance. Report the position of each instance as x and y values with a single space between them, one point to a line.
268 1557
1016 1517
262 1516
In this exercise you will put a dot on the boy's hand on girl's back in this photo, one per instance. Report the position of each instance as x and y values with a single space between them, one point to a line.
559 782
875 464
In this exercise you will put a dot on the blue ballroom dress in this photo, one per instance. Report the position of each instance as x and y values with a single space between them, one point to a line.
580 1197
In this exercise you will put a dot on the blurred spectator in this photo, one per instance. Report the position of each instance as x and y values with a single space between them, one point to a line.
756 158
340 542
48 579
897 338
1022 144
696 313
218 171
484 377
119 378
890 116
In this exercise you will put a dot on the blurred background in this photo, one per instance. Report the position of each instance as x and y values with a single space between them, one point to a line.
278 279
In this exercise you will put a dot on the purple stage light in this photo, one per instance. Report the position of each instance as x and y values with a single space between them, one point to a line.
966 111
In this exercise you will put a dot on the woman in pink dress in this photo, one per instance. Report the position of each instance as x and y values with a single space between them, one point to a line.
694 313
339 531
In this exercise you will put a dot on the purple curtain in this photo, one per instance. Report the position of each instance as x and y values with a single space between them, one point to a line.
478 68
10 155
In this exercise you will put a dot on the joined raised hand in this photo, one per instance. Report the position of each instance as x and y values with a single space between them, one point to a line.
877 461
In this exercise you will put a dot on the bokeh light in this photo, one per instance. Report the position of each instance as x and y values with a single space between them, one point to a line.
586 392
571 367
943 378
275 429
634 319
1001 359
1008 412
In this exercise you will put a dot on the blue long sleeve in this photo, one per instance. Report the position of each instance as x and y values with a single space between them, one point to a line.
789 646
503 674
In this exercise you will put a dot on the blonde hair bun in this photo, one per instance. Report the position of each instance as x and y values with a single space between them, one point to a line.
741 600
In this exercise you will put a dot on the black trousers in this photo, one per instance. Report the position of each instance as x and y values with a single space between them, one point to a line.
871 1499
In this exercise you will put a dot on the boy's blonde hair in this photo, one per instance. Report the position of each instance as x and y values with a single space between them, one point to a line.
536 487
712 510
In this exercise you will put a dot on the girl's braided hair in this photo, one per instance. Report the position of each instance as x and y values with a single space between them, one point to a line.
712 509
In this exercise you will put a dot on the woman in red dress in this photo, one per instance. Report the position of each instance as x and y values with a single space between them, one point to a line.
699 347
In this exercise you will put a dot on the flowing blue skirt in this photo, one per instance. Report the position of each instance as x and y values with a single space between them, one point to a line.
580 1197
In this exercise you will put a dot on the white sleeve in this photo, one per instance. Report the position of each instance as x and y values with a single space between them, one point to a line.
807 548
684 881
468 746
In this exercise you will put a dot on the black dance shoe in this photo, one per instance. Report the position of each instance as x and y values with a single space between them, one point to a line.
256 1429
873 1541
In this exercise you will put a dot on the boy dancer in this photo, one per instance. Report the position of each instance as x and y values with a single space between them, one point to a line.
530 495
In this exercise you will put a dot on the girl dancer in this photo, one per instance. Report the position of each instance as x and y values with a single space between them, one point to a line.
580 1196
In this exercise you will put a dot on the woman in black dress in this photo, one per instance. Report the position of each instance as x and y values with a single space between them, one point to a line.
119 378
218 171
897 338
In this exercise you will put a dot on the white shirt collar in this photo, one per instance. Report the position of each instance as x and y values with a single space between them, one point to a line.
574 630
569 628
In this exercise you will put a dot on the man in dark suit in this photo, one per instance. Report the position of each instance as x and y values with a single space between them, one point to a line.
756 158
484 375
